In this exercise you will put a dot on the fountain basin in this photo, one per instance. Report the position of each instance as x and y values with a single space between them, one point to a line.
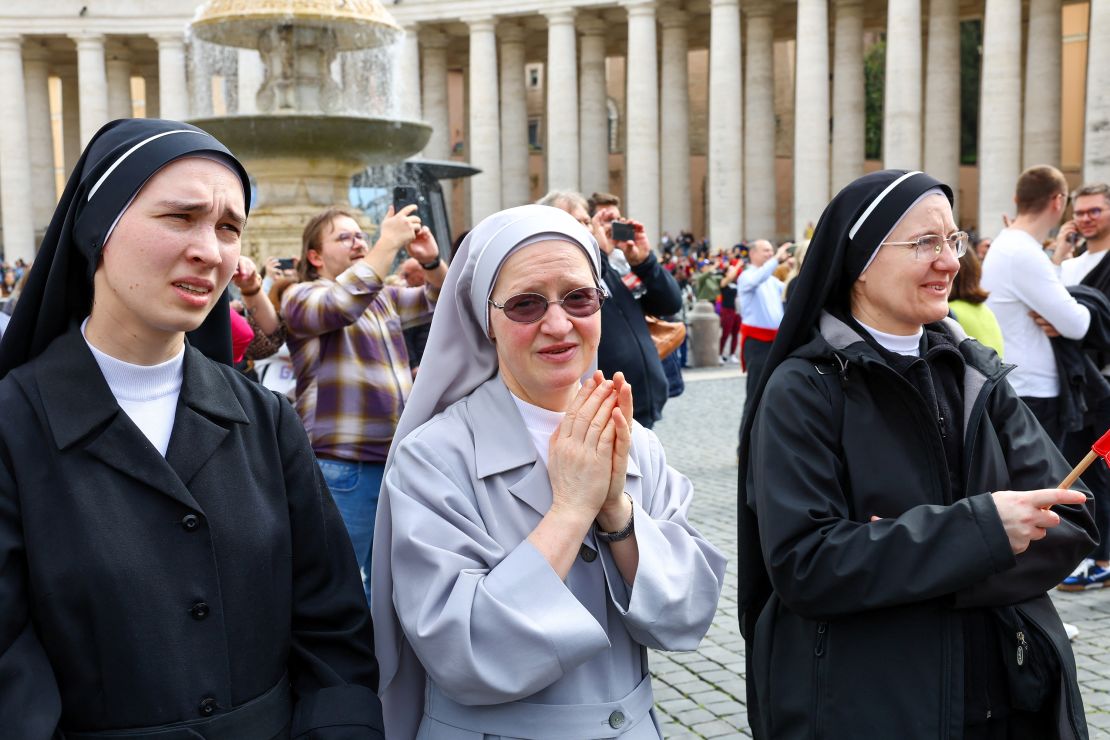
303 163
358 139
354 24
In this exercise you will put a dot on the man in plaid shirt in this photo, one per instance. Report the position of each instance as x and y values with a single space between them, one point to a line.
348 351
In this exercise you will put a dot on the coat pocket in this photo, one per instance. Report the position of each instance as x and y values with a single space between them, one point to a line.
1030 661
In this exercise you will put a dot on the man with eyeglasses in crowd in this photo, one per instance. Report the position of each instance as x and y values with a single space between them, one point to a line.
1081 244
1028 297
349 355
639 287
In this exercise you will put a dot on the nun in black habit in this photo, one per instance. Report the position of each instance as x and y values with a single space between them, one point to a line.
895 532
171 563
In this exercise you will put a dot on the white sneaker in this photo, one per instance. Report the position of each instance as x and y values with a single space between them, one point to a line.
734 359
1071 631
724 359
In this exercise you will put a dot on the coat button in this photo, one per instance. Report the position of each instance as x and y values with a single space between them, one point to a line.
199 610
616 720
588 554
190 522
207 706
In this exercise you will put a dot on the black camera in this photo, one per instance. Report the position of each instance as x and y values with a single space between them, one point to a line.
623 232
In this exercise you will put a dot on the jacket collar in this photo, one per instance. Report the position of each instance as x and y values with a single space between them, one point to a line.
982 365
80 409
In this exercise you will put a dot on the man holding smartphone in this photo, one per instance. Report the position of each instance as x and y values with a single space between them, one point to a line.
349 355
639 286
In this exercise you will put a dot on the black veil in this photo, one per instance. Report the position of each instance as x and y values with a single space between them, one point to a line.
121 157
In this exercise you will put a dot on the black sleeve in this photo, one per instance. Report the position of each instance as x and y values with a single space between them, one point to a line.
821 562
30 705
1033 462
663 296
332 665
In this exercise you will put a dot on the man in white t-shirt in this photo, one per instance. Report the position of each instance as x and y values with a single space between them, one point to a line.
1090 229
1028 297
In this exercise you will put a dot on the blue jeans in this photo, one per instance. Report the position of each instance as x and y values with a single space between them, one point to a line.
355 486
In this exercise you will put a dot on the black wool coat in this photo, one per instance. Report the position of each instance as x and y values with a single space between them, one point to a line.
139 591
862 635
626 344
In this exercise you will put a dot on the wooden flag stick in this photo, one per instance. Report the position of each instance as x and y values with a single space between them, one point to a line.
1077 471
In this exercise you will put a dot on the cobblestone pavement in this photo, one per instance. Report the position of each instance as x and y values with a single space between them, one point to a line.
701 694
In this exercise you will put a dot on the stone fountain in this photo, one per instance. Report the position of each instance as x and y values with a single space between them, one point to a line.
302 147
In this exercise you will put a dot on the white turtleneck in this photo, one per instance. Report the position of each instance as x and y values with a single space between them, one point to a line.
897 343
540 423
146 393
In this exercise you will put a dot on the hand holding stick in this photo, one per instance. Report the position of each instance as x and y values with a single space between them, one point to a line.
1101 448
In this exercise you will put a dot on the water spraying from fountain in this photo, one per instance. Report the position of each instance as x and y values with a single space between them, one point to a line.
310 133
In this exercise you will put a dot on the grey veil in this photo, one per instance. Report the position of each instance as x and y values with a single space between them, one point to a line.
459 357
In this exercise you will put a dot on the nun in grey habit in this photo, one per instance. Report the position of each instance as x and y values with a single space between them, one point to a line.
481 631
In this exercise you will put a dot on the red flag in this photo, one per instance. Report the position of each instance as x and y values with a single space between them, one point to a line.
1102 447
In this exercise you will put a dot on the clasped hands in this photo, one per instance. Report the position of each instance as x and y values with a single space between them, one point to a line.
588 454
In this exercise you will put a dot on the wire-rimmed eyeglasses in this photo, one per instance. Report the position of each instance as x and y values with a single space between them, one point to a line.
927 248
348 238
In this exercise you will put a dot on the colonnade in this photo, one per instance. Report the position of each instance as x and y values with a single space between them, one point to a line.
94 89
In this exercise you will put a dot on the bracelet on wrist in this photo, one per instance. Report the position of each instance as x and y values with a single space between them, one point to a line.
247 293
431 265
625 532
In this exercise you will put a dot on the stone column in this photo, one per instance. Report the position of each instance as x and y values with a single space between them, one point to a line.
847 99
93 84
173 90
251 74
674 124
641 162
593 107
942 95
118 75
408 78
1000 114
723 193
433 50
1044 47
1096 137
71 120
759 123
39 140
562 101
15 160
485 120
811 122
902 100
515 190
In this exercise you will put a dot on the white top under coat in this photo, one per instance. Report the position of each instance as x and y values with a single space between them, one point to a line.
147 393
898 343
540 423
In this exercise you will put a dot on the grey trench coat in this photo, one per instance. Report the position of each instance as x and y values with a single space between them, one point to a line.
494 643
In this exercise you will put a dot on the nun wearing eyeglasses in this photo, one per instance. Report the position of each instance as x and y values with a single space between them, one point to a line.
532 541
899 517
171 563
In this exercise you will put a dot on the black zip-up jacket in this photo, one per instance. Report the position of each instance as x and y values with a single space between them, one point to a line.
1082 386
862 634
625 341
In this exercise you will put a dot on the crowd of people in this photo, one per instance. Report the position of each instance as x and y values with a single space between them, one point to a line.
383 489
